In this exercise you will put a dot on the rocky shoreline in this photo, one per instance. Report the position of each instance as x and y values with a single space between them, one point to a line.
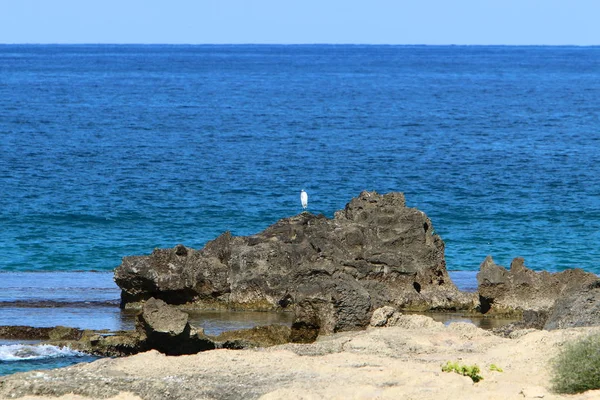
400 358
373 262
333 273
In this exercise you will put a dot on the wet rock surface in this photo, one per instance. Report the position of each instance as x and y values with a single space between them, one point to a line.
259 336
21 332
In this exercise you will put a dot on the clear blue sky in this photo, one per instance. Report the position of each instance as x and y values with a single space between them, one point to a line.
549 22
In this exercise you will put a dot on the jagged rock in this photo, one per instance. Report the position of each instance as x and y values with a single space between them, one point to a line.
581 308
506 292
332 272
158 318
166 329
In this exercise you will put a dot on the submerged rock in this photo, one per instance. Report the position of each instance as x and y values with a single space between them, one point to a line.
23 332
332 272
259 336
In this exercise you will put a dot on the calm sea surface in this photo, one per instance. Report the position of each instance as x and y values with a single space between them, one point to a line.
107 151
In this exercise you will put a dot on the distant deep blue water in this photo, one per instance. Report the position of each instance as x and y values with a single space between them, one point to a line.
107 151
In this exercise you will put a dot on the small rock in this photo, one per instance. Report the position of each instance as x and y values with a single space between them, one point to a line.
167 330
383 315
415 322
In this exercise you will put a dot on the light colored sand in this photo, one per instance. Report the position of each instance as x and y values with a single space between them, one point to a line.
381 363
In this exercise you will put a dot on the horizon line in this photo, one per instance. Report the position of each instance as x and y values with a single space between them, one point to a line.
290 44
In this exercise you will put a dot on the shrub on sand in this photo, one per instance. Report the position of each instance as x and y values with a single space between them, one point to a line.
494 367
472 371
577 366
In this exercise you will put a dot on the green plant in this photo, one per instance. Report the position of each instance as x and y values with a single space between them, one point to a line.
494 367
577 366
472 371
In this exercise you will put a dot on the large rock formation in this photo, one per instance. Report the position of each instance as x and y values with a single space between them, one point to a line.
332 272
520 289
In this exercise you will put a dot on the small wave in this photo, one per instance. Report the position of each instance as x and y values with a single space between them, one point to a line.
20 352
37 303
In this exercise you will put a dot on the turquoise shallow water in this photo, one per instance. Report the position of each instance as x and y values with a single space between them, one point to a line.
107 151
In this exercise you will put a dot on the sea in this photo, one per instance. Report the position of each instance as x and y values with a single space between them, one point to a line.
114 150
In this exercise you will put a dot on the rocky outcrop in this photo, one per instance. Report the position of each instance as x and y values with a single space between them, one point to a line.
332 272
519 289
581 308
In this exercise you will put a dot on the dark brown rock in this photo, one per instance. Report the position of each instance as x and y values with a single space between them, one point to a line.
332 272
327 305
21 332
519 289
166 329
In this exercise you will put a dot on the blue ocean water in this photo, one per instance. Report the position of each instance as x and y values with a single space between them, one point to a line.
107 151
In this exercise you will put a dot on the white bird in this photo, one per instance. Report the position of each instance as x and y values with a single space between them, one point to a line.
304 199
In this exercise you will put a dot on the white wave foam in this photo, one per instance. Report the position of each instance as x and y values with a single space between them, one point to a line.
16 352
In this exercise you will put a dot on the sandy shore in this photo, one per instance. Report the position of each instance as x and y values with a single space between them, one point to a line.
380 363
